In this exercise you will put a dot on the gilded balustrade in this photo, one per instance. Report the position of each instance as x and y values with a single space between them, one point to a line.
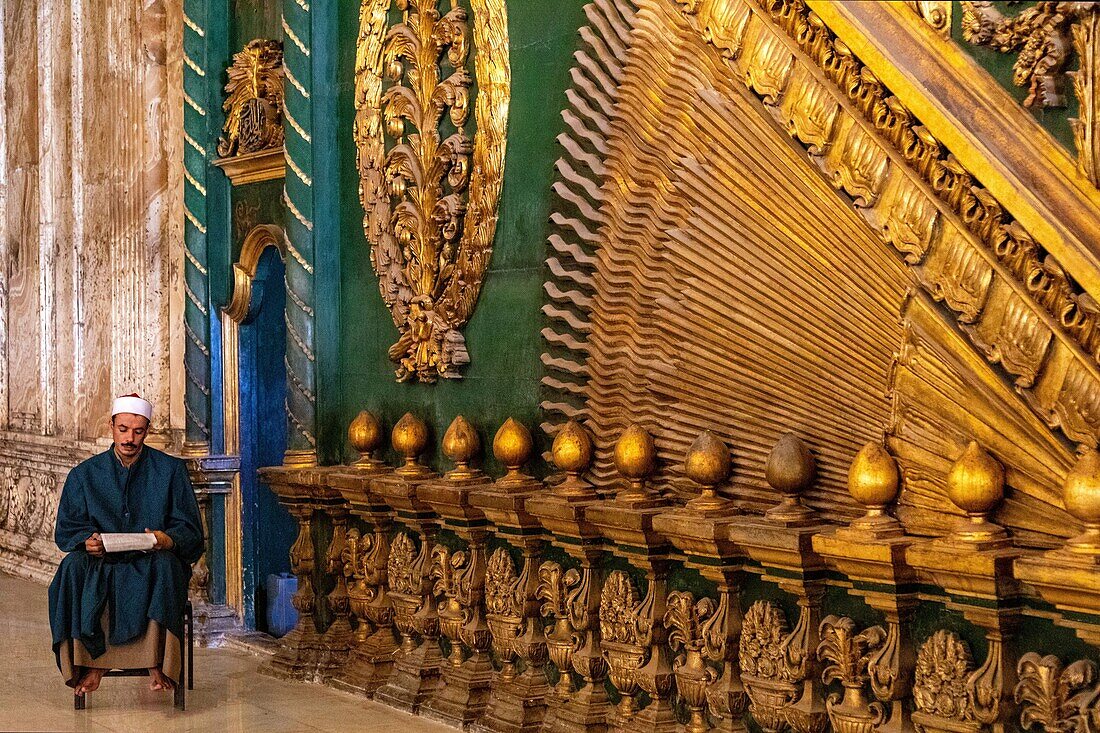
601 609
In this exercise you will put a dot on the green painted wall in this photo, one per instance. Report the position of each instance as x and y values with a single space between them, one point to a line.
253 19
999 65
503 335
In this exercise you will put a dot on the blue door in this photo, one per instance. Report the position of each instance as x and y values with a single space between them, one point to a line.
267 529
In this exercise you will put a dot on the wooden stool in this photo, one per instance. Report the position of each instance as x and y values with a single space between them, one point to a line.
179 694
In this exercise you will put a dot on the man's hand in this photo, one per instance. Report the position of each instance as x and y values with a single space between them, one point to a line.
164 542
94 546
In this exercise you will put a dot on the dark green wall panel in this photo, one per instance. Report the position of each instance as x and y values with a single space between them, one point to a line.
503 335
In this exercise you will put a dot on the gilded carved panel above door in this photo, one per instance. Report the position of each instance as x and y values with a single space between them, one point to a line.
430 187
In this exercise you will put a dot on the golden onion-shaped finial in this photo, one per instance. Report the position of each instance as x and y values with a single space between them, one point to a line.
635 457
512 446
873 477
1081 492
461 444
708 464
789 470
976 482
572 453
365 436
409 438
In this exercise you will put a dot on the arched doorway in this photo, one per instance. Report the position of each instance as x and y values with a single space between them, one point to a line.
254 337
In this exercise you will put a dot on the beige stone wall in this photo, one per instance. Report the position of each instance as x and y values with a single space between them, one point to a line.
91 243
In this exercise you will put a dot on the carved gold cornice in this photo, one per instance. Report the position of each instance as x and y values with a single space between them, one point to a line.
1000 143
265 165
430 201
1015 302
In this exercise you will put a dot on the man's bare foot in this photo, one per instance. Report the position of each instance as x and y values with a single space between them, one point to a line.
159 680
90 681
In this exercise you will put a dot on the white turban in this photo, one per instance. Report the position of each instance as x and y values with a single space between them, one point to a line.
134 405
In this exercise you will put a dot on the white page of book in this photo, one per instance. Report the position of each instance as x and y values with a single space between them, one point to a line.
127 541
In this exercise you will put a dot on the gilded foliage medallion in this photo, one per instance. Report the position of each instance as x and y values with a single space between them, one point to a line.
429 189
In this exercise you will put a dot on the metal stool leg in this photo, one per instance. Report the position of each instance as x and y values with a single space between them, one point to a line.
190 647
79 701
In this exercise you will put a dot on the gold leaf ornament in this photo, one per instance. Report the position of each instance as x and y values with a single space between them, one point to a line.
254 100
430 191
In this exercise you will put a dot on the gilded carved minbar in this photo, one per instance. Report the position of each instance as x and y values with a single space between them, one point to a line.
550 570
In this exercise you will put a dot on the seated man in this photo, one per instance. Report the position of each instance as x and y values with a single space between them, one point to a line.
124 610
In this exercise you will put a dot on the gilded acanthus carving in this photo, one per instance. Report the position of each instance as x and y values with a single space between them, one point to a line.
430 201
254 102
1057 699
1041 35
847 655
458 577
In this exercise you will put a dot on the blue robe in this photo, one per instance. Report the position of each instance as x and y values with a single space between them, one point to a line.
101 495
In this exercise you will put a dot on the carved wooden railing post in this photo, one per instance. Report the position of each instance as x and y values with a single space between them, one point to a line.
460 579
336 641
300 650
416 671
700 530
517 704
632 629
572 597
973 565
871 553
780 668
211 476
364 564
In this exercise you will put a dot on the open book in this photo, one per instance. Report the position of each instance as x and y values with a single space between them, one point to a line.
126 541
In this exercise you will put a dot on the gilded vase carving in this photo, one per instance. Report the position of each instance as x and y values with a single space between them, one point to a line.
1055 698
687 621
563 595
847 655
429 188
943 693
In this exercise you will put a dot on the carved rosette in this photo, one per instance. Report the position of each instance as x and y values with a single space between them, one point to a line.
254 100
624 637
941 685
505 605
409 590
430 201
774 664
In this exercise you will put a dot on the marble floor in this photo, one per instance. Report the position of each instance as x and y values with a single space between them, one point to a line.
229 694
